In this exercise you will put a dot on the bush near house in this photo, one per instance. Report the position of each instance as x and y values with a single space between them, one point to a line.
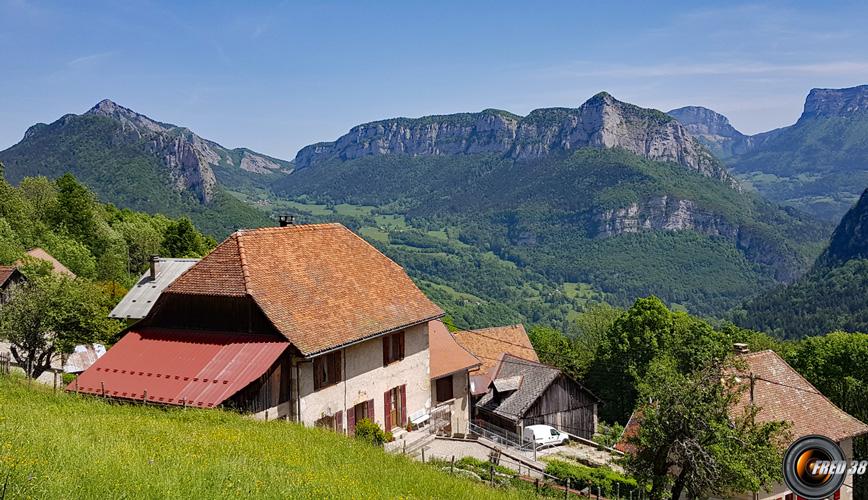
62 445
369 432
607 480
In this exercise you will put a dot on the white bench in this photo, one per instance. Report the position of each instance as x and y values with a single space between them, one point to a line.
418 418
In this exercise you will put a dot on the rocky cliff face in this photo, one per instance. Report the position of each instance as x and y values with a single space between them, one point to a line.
713 130
835 102
189 160
602 122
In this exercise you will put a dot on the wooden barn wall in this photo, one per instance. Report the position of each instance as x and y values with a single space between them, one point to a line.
270 390
203 312
564 405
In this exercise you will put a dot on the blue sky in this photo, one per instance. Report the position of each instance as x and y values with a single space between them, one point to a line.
275 76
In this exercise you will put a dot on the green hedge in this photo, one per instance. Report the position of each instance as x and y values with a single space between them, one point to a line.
581 477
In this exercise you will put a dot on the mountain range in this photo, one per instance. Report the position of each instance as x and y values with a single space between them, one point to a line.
133 161
818 165
500 217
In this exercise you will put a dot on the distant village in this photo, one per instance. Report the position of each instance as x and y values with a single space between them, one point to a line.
313 325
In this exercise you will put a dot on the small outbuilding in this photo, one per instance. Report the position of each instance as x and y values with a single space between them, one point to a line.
524 392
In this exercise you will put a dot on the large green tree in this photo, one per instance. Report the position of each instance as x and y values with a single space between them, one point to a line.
693 440
51 315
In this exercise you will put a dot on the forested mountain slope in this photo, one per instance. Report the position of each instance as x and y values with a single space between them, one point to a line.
136 162
831 297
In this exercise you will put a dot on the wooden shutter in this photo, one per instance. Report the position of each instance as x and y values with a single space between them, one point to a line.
337 367
351 421
400 346
387 406
339 421
369 410
386 340
403 405
317 373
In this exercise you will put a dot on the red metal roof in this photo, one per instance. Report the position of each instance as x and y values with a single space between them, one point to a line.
177 367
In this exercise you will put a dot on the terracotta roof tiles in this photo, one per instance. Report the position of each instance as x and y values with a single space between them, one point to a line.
489 344
319 284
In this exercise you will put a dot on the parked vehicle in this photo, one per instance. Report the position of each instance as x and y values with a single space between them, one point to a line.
544 435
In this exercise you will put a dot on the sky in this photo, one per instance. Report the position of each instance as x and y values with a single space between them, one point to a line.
276 76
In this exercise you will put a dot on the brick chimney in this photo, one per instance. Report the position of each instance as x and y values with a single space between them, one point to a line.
286 220
740 348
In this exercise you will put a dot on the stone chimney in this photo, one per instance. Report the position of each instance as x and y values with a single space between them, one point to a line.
740 348
286 220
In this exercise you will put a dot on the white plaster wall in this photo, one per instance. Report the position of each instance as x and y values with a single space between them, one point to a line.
459 405
366 378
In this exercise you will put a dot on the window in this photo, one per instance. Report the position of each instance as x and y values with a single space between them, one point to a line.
358 412
326 370
393 348
444 389
555 433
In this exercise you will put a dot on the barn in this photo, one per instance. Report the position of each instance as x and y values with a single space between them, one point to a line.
523 393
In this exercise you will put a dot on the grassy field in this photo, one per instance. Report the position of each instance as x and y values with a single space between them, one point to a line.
63 446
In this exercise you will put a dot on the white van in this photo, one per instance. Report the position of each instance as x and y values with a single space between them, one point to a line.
544 435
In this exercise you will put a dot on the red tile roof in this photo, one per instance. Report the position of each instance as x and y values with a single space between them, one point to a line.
177 367
6 272
489 344
320 285
447 356
783 394
56 266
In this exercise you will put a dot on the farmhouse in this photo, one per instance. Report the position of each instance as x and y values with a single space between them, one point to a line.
305 322
524 393
782 394
450 381
56 267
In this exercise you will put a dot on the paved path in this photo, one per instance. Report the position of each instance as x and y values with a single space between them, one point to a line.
447 448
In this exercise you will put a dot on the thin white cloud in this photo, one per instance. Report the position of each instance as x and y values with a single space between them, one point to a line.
90 59
841 68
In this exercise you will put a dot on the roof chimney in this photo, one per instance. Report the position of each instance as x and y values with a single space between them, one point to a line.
286 220
740 348
152 260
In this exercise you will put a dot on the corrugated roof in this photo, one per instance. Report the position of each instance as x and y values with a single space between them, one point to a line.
447 356
536 378
137 303
319 284
488 344
178 367
783 394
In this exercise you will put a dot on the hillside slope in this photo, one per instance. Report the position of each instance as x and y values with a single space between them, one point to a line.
830 297
819 164
135 162
608 193
106 450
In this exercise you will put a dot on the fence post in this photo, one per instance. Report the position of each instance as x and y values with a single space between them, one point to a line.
536 482
145 396
598 493
102 386
55 381
404 451
567 489
76 386
423 454
452 466
491 472
618 491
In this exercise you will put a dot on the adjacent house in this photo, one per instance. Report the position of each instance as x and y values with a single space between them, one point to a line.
450 367
782 394
40 254
488 344
524 392
9 276
308 323
139 300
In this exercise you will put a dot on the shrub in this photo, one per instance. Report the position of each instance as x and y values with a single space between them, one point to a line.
581 476
368 431
68 378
